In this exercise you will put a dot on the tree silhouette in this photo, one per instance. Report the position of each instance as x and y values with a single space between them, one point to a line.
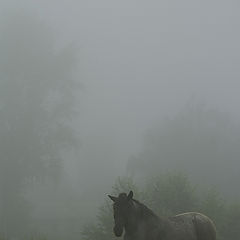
37 95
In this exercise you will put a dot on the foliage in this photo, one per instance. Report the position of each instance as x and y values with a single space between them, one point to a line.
231 229
126 184
214 206
172 194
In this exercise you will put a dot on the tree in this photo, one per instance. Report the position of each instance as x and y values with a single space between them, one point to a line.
171 194
201 142
212 205
37 94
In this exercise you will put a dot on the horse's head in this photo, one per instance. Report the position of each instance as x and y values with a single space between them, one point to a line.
122 206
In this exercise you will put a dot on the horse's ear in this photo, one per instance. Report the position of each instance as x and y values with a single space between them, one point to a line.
112 198
130 195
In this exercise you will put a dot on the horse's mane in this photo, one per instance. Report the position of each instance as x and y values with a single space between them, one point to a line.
145 211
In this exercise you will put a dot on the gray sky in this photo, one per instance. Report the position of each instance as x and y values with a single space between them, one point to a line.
140 61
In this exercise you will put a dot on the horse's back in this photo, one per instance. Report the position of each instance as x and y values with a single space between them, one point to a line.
205 227
194 225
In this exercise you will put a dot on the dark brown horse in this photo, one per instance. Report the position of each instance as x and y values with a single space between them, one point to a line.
140 223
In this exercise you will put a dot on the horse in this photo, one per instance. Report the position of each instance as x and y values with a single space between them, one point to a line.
140 223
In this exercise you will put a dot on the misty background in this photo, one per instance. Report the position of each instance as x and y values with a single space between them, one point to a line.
93 90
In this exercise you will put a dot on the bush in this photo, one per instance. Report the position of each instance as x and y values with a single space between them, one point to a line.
231 231
171 194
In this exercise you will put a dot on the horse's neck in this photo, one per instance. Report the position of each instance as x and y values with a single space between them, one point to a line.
133 219
141 218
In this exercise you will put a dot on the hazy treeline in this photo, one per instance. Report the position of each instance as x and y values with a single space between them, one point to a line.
200 141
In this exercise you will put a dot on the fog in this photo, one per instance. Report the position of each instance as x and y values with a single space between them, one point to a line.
92 79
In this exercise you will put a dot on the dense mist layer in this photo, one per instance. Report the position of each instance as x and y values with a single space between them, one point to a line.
93 90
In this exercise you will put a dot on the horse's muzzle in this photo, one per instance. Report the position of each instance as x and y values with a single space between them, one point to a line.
118 231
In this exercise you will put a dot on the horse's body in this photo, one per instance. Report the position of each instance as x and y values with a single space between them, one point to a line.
140 223
192 226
